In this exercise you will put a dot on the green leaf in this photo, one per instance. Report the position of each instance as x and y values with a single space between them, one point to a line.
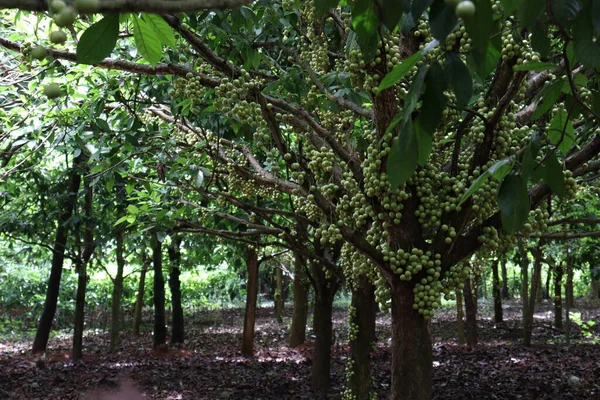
366 24
434 101
443 20
510 6
596 17
535 66
147 41
513 200
528 162
549 95
133 210
390 13
414 92
585 45
498 171
480 26
564 10
484 65
99 40
561 131
459 77
553 175
403 158
322 6
539 39
530 12
162 29
399 72
424 143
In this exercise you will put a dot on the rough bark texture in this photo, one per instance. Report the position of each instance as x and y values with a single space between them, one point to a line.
82 277
177 321
298 330
365 306
505 290
594 292
139 298
569 297
460 314
160 329
536 281
251 296
279 304
117 294
496 288
58 255
558 275
471 314
412 358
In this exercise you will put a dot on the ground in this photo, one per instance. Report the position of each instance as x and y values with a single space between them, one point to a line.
209 365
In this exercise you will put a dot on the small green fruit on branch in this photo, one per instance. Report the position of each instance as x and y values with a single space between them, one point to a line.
465 9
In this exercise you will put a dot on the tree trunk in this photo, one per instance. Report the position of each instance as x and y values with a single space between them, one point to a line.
300 316
460 323
594 292
412 355
558 275
569 297
547 286
177 322
505 290
117 294
365 307
82 277
251 296
471 314
139 298
279 304
496 288
58 255
536 281
160 329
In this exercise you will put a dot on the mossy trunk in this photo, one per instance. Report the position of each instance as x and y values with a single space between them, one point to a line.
471 314
251 297
300 314
160 328
558 276
536 281
460 322
323 330
177 321
365 308
412 354
139 298
279 304
496 288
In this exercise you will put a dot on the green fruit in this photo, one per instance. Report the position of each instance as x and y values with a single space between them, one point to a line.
57 6
53 90
39 52
87 6
465 9
58 37
66 17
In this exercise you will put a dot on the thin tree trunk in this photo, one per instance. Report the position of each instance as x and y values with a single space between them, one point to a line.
300 316
471 314
160 329
460 323
58 255
279 294
365 307
505 290
569 297
177 322
82 277
594 292
117 294
558 275
412 355
251 296
536 281
547 286
496 288
139 298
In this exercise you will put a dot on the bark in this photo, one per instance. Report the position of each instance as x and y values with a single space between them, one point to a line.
117 294
496 288
547 286
160 329
558 275
569 297
594 292
365 305
82 277
58 255
460 323
139 298
412 357
536 281
251 296
505 291
177 321
300 316
325 290
279 304
471 314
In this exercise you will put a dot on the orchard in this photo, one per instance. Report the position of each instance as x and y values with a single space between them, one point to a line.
383 142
